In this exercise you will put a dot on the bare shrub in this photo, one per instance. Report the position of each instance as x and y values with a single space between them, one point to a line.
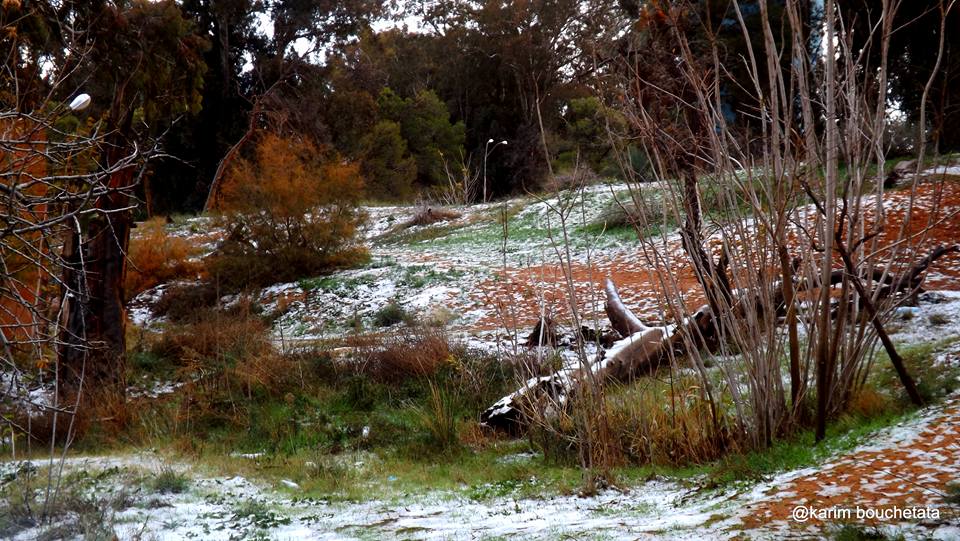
759 262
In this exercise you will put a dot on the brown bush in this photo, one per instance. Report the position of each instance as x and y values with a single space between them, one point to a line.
155 257
419 353
185 302
430 215
869 403
102 418
216 335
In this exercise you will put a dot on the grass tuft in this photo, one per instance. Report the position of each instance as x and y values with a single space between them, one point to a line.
169 481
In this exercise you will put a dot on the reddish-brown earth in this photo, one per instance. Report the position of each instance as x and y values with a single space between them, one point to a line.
515 296
910 475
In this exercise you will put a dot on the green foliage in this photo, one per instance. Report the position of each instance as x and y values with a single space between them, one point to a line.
586 123
387 165
391 314
425 126
258 515
170 481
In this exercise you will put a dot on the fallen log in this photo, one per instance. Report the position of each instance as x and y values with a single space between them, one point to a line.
639 353
643 349
621 318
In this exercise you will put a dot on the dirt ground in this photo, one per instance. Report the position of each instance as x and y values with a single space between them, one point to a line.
642 278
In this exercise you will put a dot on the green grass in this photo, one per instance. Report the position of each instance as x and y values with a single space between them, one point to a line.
933 382
169 481
336 283
800 451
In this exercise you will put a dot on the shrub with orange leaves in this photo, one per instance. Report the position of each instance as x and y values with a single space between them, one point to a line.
155 257
291 211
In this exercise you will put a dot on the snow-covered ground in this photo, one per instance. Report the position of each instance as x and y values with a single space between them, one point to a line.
429 270
225 508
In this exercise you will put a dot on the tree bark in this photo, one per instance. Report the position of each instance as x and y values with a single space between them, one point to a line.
92 351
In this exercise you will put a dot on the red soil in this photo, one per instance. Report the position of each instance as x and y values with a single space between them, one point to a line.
910 475
513 298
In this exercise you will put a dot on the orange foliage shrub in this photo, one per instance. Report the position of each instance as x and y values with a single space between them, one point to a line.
291 211
155 257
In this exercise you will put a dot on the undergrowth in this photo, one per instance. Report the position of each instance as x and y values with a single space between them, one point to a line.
400 413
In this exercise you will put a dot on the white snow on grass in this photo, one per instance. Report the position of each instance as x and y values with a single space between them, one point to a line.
231 507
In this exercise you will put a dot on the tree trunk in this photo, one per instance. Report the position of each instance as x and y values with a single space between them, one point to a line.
92 352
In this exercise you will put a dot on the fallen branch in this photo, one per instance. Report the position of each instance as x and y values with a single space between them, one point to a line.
639 353
643 349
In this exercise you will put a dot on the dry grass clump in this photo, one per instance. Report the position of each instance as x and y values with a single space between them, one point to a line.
182 302
427 215
216 335
155 257
668 425
416 354
102 418
868 403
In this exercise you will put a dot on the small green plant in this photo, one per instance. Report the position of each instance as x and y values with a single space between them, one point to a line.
859 532
952 494
438 417
938 319
390 315
259 515
169 481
